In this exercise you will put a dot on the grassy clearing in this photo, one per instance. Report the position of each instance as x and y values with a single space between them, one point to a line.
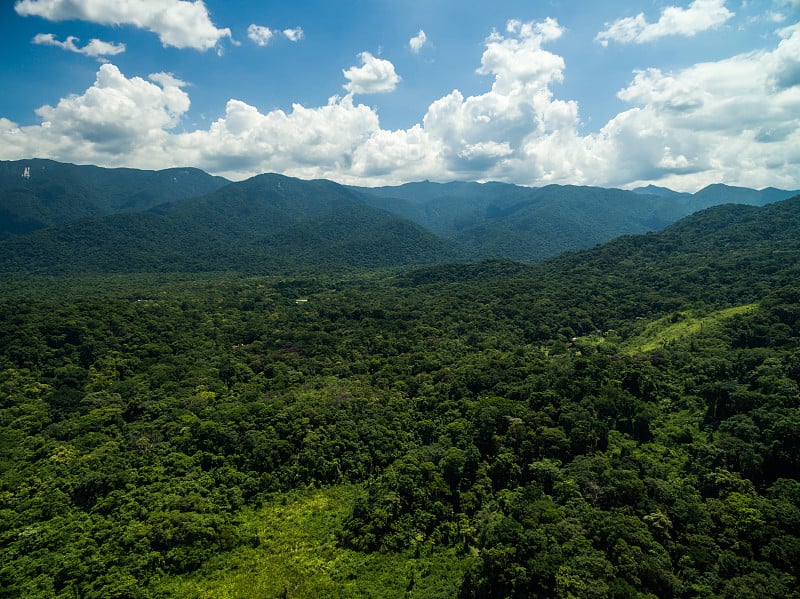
679 326
298 557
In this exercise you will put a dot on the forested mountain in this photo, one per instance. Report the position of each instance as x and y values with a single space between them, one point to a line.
266 224
92 219
530 224
718 193
453 209
663 192
445 208
555 219
723 194
36 193
616 422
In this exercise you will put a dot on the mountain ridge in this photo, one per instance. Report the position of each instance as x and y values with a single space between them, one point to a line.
38 193
60 217
264 224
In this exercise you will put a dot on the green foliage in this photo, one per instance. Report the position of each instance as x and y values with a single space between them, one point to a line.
68 219
298 557
267 224
477 430
55 193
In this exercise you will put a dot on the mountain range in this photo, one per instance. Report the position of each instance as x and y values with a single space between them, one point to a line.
35 194
63 218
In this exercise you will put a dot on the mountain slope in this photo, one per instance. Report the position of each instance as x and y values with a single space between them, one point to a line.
445 208
663 192
532 224
279 222
723 256
556 219
265 224
719 193
522 223
38 193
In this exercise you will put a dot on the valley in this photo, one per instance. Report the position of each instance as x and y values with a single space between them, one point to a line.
282 388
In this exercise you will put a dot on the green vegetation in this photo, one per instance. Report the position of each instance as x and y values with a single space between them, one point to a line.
681 326
266 225
450 431
298 556
63 219
53 193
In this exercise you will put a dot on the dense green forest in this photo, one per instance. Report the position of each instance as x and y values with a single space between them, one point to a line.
620 422
70 219
37 193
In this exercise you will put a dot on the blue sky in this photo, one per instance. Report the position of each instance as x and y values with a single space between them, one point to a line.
614 93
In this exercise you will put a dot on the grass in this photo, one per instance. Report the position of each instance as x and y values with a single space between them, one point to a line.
299 557
679 326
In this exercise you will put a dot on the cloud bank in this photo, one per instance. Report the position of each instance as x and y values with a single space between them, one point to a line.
177 23
735 121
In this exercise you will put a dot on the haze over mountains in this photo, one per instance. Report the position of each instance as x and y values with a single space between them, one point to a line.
57 218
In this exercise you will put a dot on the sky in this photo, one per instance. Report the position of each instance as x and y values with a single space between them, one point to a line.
619 93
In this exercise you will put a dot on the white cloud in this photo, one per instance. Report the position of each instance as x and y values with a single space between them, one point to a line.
508 132
259 34
521 60
735 121
701 15
417 42
95 48
306 142
117 121
294 35
784 71
178 23
375 75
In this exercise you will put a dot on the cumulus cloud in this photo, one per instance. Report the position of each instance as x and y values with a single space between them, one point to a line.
95 48
784 72
735 121
375 75
508 132
306 142
116 121
699 16
294 35
178 23
417 42
259 34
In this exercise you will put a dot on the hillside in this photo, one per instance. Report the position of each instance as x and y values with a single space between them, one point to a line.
617 422
36 193
555 219
266 224
713 195
497 220
62 218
